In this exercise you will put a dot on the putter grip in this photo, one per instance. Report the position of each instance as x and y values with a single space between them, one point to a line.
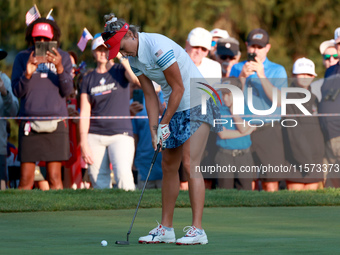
155 154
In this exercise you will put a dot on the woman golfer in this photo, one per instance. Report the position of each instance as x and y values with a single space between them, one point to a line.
183 130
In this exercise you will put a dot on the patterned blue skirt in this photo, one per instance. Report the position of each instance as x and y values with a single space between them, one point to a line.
184 124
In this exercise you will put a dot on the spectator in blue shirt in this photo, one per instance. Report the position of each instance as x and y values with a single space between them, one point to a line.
264 77
144 150
234 146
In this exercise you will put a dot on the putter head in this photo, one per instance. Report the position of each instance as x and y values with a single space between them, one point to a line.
123 242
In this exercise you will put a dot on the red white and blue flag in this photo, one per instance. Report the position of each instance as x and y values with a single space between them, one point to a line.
85 37
32 15
158 53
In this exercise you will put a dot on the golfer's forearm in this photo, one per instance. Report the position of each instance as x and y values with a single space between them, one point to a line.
173 103
153 113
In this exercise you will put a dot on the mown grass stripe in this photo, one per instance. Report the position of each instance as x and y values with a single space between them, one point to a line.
65 200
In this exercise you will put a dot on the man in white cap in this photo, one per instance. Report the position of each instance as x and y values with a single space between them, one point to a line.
197 46
9 107
330 58
216 34
330 104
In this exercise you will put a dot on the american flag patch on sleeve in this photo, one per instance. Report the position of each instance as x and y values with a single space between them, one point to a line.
158 53
166 58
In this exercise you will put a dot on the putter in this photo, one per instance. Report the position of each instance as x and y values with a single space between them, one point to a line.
140 198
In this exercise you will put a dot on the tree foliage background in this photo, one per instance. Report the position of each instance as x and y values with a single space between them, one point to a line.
296 27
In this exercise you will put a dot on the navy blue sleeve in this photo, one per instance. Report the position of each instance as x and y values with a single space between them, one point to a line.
19 81
118 73
65 78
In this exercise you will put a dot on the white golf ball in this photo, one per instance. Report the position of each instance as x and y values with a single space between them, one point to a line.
103 243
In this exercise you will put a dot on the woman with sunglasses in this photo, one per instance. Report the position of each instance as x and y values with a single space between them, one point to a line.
330 105
183 130
227 54
216 34
329 58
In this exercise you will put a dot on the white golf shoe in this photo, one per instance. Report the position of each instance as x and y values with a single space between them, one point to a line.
159 235
192 236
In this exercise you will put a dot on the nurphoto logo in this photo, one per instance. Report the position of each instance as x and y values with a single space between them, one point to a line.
239 103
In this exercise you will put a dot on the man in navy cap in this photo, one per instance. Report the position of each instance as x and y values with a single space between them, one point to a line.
227 54
263 76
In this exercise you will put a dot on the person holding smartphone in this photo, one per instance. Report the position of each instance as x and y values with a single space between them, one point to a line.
42 88
262 75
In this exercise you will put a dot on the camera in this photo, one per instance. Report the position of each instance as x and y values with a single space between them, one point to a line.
251 57
42 47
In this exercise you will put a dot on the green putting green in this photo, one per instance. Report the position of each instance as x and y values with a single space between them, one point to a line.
241 230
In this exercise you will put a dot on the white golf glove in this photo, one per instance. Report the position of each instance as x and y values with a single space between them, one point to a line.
163 133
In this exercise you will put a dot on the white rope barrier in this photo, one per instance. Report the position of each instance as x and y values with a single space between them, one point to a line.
146 117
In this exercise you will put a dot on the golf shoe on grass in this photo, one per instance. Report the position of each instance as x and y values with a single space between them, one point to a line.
159 235
192 236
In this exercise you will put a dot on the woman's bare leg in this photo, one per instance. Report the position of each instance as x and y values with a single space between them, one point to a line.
294 185
170 184
192 153
270 186
26 175
54 174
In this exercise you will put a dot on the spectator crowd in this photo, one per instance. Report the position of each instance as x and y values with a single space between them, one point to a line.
88 128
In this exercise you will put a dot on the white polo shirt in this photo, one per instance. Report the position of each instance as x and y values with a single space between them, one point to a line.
210 69
155 54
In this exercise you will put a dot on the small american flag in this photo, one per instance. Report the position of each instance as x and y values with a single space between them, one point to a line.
85 37
158 53
32 15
